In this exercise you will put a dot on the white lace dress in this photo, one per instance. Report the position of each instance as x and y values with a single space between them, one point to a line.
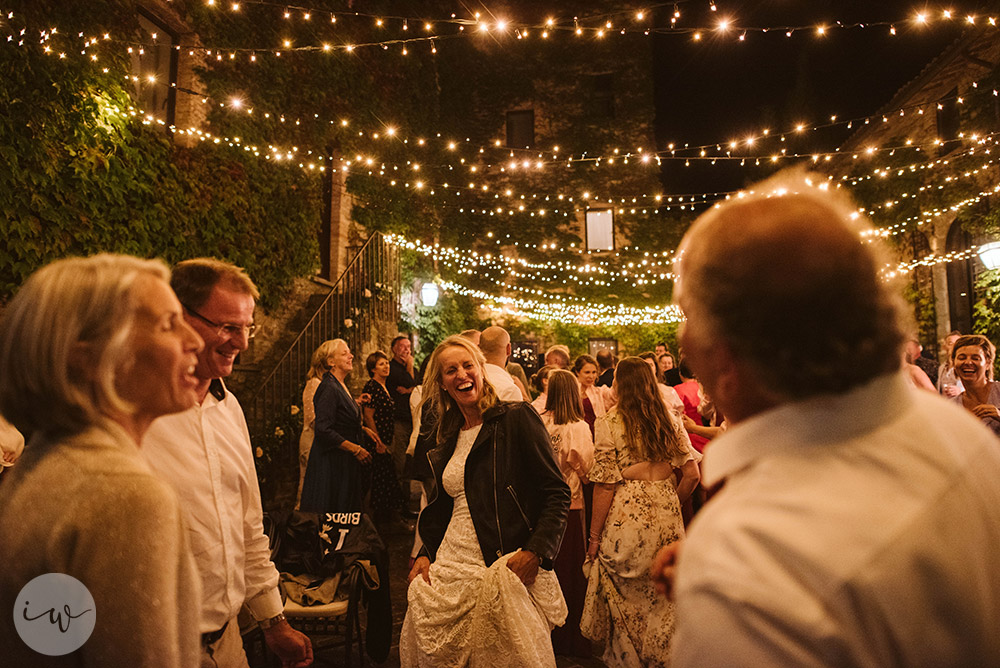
471 615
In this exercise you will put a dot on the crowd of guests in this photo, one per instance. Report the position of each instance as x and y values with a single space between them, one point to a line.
845 515
626 438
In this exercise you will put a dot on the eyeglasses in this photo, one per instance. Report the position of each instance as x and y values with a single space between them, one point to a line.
225 329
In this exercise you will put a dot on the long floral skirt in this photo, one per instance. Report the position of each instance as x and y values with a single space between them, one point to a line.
622 610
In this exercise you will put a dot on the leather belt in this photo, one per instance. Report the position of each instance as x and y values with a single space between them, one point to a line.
212 637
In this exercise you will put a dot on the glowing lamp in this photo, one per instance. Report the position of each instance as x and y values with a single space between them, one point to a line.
429 293
990 254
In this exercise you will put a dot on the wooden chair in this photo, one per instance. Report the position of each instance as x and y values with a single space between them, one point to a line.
333 625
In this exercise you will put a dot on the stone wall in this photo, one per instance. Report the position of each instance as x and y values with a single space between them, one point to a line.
190 112
968 60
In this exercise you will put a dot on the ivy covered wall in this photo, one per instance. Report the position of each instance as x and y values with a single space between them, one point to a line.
81 173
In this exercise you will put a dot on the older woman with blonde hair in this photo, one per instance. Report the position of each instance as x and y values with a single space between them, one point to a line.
481 592
334 480
318 367
91 352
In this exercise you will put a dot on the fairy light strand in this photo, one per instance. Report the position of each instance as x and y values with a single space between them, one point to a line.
582 313
635 273
710 152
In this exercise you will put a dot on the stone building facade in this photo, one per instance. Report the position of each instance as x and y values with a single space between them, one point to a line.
949 108
558 99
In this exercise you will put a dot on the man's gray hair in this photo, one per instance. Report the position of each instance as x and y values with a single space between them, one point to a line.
560 351
784 278
67 303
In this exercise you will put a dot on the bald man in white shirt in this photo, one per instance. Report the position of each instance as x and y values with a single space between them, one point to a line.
495 344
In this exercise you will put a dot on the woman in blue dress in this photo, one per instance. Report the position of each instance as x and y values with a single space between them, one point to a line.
338 461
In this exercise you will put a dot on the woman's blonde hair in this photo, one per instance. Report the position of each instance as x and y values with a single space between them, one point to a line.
320 358
441 403
563 398
650 434
65 337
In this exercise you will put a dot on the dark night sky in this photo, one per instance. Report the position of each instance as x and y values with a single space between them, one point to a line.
720 88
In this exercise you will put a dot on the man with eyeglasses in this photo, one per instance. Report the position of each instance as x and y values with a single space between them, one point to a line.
205 453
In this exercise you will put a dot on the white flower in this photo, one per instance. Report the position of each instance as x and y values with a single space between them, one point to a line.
259 452
367 293
378 286
279 432
294 410
348 323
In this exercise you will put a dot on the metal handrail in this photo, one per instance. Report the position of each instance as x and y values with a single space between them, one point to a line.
363 300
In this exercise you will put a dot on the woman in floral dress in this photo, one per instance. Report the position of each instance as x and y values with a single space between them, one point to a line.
379 423
637 509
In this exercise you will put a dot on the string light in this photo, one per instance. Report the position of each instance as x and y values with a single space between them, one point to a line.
272 151
309 160
928 216
622 159
601 22
665 202
949 180
523 30
636 273
930 261
712 152
515 157
542 204
580 312
280 154
533 309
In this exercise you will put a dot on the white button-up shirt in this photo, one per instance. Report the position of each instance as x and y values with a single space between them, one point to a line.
205 454
502 382
853 530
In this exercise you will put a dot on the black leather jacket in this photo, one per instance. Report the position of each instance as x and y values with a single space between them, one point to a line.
517 496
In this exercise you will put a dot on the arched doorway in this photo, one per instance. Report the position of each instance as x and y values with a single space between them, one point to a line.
960 293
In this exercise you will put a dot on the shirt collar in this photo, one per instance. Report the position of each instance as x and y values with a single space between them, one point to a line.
814 422
217 389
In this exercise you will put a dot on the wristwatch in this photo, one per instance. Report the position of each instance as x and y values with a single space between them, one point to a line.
265 624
